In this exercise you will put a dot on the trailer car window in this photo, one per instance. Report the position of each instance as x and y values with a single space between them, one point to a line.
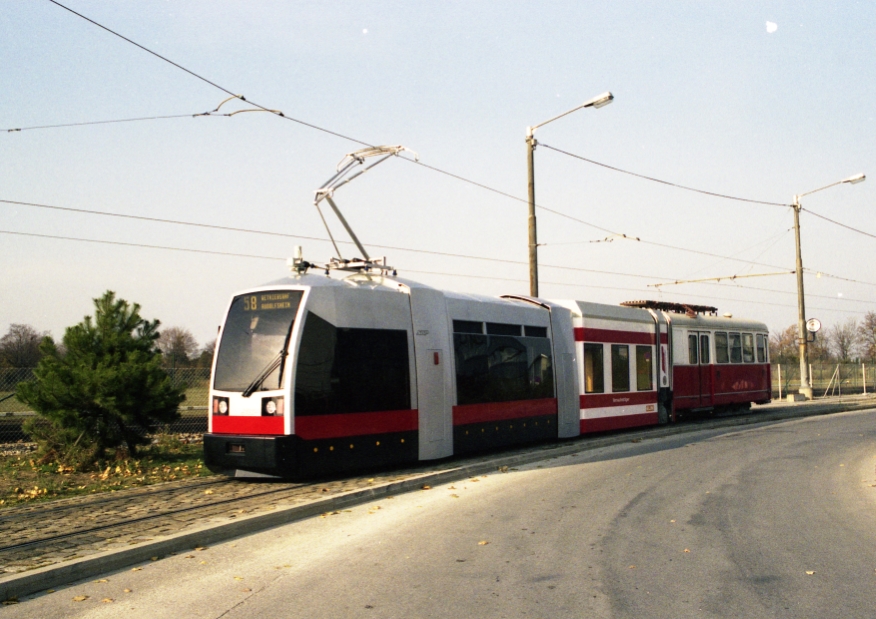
620 367
534 331
594 369
735 348
704 349
721 353
644 371
351 370
692 347
748 348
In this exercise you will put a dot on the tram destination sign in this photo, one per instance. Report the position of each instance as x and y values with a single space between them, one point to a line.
267 301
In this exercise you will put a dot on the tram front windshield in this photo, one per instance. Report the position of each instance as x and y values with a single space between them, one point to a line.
253 349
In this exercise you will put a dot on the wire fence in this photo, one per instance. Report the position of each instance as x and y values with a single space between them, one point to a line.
828 379
193 412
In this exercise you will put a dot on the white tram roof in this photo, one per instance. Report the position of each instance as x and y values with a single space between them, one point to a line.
487 308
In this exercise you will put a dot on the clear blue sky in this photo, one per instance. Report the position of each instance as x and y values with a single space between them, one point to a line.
707 95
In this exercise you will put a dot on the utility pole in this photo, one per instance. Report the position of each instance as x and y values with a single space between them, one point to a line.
596 102
533 242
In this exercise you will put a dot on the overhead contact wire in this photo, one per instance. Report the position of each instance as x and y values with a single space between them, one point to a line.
662 182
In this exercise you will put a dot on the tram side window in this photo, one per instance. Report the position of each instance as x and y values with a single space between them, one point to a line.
594 369
467 326
704 349
502 368
499 328
351 370
722 355
692 348
620 367
761 348
735 348
748 348
644 368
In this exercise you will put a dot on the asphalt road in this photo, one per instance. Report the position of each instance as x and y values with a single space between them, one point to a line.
776 520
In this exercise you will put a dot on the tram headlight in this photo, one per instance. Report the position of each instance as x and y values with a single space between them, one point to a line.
273 407
220 406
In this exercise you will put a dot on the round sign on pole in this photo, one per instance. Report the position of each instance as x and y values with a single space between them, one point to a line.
813 325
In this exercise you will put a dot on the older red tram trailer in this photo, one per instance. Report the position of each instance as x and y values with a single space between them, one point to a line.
316 375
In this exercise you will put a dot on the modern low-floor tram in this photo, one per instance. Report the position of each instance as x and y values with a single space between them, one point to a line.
315 375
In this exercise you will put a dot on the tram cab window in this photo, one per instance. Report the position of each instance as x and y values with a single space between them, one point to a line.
722 355
502 368
620 367
692 348
761 348
748 348
257 328
344 370
594 369
644 368
735 348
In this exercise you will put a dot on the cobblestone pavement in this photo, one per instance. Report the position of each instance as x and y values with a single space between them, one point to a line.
72 527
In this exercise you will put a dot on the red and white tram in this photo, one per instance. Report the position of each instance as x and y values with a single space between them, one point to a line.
316 375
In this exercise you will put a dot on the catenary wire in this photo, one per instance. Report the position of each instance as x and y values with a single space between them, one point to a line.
260 257
99 122
836 223
363 143
467 275
388 247
662 182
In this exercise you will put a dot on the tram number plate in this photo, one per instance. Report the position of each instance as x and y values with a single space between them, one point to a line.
235 448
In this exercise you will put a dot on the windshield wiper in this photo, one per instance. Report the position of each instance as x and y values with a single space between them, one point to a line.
276 362
263 375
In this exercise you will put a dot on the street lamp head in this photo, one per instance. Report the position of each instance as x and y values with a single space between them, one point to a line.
600 101
857 178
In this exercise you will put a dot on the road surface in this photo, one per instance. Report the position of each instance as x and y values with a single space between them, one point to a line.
776 520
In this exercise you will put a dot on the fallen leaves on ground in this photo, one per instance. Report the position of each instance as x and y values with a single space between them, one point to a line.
126 590
687 549
102 580
80 598
810 572
483 543
107 600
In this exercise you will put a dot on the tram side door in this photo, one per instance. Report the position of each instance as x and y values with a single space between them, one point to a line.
699 354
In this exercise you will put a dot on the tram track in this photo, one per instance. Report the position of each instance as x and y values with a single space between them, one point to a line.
206 506
46 534
76 502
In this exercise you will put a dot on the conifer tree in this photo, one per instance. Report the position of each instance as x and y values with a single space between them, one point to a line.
108 389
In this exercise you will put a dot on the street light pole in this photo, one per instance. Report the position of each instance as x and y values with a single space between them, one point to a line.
805 379
596 102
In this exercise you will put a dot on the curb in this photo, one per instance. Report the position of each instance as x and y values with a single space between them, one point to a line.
40 579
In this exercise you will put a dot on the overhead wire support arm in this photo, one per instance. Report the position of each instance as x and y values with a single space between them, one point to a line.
718 279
